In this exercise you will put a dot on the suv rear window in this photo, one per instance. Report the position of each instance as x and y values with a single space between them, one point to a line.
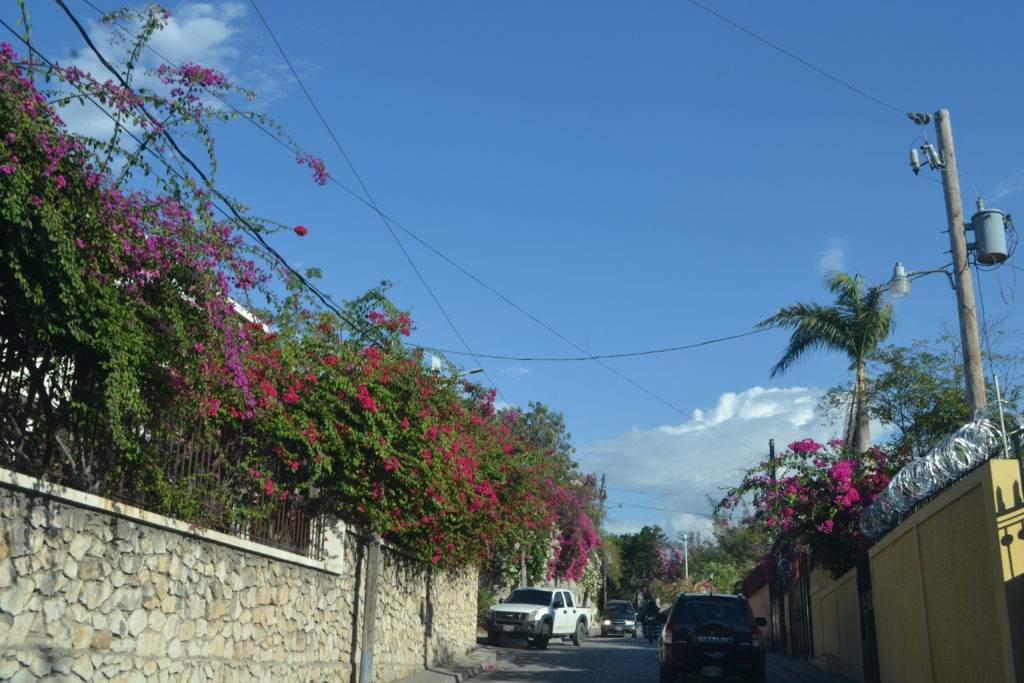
702 610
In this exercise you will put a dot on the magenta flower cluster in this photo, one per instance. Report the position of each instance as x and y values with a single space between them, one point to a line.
815 498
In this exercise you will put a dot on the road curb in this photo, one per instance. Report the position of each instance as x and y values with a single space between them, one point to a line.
801 670
478 660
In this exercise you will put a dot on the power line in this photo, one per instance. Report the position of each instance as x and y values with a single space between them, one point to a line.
366 191
681 512
388 222
741 466
251 230
659 493
610 355
794 57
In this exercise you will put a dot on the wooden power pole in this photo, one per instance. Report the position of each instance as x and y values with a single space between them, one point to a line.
373 568
973 377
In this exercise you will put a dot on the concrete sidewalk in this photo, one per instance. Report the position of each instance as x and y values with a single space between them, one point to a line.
479 659
799 670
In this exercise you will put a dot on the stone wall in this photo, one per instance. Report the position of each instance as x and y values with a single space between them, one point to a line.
92 590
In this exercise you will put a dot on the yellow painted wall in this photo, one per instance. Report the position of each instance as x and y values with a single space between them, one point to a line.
848 617
903 650
1007 498
835 615
957 569
944 600
1008 502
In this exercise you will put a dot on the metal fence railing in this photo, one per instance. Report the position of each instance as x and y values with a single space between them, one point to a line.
50 428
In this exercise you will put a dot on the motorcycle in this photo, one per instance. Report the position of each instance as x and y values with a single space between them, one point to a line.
650 629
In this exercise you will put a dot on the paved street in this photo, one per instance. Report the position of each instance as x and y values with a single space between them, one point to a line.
608 660
598 660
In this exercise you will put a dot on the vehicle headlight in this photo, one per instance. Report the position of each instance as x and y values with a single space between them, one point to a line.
607 622
535 615
629 622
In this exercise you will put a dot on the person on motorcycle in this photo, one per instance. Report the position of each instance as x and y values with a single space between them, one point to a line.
649 614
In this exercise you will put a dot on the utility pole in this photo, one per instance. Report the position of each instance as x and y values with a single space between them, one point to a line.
973 377
373 568
604 551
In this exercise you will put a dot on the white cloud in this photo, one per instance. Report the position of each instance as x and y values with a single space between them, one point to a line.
663 467
517 371
1008 186
200 33
832 258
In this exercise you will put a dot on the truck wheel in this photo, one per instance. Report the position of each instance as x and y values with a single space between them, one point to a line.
580 634
493 637
541 641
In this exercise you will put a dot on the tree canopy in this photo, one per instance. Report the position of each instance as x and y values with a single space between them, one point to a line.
918 390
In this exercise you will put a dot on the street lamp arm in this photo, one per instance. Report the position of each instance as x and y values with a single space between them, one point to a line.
949 275
899 285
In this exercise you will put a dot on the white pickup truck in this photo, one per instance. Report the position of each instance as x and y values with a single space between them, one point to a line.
539 614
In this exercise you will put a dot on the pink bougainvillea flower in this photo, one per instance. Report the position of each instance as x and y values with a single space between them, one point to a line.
301 231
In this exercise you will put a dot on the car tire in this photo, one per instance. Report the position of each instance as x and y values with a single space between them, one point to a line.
541 641
634 633
580 634
493 637
604 634
665 676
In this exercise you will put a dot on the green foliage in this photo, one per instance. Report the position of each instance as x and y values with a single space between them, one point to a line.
590 583
484 599
918 390
729 554
545 430
644 558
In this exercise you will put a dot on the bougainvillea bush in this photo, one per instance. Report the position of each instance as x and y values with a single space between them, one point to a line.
811 496
150 352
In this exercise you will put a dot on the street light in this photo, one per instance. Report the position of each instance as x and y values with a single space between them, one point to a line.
899 285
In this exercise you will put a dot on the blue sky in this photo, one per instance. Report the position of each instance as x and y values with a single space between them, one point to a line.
635 176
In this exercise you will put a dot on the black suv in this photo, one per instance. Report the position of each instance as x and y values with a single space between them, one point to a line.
711 636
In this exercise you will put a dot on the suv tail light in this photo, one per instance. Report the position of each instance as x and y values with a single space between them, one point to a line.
666 633
755 636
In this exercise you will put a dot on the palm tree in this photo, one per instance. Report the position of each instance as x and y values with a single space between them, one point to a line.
858 321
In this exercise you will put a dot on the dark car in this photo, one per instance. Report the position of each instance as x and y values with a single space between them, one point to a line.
618 617
711 636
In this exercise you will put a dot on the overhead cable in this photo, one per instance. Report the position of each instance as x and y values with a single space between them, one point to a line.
601 356
799 59
366 191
